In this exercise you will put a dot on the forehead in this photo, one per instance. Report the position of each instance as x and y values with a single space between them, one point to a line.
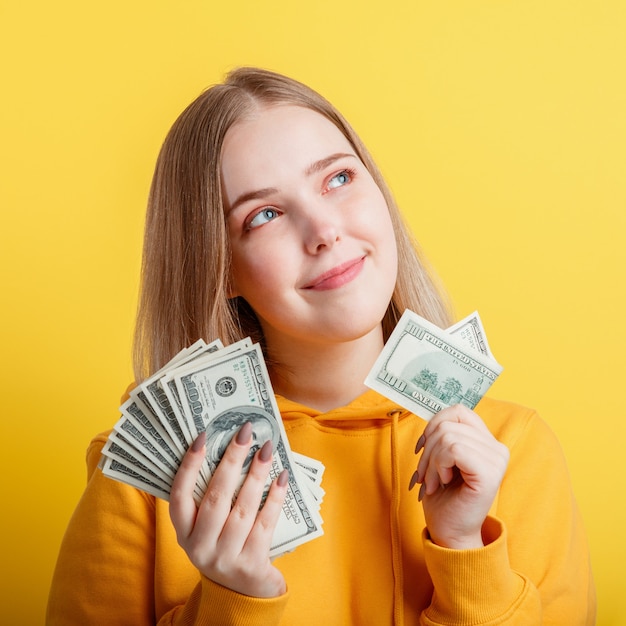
278 138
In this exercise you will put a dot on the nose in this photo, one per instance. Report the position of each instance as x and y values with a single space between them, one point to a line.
322 230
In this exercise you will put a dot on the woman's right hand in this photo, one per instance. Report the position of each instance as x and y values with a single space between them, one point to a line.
228 545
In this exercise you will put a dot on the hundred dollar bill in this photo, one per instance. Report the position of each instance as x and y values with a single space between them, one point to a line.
220 395
126 461
128 475
312 471
127 436
140 465
154 396
426 369
136 413
471 333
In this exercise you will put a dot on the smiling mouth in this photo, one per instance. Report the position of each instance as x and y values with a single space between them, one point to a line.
337 276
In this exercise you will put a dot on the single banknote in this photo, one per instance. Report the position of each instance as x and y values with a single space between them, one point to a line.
426 369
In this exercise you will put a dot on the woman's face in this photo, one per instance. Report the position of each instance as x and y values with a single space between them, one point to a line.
313 247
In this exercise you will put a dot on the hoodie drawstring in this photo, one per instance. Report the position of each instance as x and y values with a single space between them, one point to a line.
394 522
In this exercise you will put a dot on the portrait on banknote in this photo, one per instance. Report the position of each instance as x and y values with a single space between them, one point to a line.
225 426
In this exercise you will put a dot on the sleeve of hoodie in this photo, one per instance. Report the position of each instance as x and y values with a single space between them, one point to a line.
105 572
535 568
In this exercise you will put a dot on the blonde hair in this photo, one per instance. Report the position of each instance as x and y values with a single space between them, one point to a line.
186 253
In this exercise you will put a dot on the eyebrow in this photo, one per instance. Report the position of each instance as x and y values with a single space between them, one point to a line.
251 195
318 166
314 168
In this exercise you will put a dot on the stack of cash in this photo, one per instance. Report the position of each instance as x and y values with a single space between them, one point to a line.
217 389
426 369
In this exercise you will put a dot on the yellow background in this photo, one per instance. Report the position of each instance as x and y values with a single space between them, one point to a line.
501 127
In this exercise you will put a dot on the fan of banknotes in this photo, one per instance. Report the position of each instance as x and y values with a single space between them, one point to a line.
212 388
217 389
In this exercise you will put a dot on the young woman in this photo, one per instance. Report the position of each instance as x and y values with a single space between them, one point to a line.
268 218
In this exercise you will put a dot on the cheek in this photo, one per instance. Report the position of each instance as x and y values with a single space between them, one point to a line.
243 277
255 273
386 243
381 231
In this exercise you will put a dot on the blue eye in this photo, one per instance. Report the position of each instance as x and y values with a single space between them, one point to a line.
338 180
262 217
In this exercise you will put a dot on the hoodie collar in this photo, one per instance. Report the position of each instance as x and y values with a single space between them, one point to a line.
367 407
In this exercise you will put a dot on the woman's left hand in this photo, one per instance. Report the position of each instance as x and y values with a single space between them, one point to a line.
461 468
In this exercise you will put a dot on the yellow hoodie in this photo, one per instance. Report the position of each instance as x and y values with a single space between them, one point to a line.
120 563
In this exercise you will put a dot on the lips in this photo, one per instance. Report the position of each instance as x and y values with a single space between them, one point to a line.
337 276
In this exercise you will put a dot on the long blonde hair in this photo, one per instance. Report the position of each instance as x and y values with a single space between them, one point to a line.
186 253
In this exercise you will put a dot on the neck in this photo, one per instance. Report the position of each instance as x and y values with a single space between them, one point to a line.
324 376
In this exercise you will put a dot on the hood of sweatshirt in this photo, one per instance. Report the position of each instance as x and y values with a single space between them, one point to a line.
369 410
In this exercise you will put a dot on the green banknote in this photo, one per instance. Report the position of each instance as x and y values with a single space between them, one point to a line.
426 369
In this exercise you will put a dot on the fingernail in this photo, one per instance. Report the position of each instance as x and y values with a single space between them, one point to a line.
420 444
265 454
243 436
414 479
283 478
420 495
199 442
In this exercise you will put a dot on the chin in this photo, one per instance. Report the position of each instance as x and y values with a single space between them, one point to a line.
353 332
